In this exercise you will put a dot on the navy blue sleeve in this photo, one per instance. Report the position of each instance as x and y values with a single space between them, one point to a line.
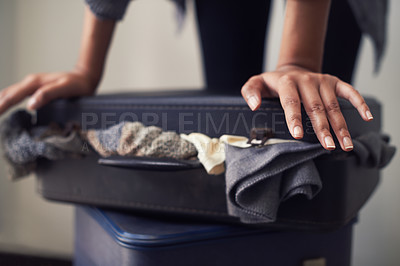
108 9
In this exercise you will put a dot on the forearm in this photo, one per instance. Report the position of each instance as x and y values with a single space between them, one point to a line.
304 34
96 39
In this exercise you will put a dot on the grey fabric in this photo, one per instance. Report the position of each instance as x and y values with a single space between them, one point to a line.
23 144
135 139
108 139
373 150
371 16
108 9
259 179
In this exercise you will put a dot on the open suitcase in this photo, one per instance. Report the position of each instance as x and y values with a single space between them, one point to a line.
174 187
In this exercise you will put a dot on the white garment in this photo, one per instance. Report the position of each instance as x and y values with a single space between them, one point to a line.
211 151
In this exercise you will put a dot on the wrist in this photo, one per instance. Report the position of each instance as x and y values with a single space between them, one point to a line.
93 77
295 67
305 64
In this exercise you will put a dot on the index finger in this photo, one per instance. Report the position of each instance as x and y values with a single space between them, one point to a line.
346 91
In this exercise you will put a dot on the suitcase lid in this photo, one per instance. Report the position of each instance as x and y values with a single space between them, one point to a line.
187 112
133 231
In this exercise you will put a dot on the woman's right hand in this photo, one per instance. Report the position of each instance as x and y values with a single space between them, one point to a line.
44 87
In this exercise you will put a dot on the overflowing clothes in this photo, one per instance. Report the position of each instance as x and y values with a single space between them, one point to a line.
258 179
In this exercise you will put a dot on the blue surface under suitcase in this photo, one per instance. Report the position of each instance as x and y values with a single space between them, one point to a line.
117 238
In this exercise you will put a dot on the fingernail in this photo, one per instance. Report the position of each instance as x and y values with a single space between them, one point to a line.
253 102
330 144
31 103
297 131
369 115
348 145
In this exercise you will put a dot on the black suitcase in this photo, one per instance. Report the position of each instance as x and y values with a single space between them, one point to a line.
174 187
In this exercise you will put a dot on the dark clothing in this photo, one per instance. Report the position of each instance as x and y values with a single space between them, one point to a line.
233 36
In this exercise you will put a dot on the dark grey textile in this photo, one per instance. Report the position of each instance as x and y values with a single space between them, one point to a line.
259 179
108 9
371 16
22 144
373 150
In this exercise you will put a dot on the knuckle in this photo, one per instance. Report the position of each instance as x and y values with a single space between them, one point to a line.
364 105
333 107
286 80
327 78
317 108
6 97
307 78
31 78
355 91
343 131
64 80
290 101
323 130
42 96
294 117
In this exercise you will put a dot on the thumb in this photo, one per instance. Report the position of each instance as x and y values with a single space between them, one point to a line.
45 94
251 92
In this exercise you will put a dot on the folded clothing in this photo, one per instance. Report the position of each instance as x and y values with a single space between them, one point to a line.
135 139
23 144
211 151
259 179
272 174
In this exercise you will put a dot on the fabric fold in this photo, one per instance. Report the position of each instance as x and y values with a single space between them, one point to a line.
259 179
135 139
23 144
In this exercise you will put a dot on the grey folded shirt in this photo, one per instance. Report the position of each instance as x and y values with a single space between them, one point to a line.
258 180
